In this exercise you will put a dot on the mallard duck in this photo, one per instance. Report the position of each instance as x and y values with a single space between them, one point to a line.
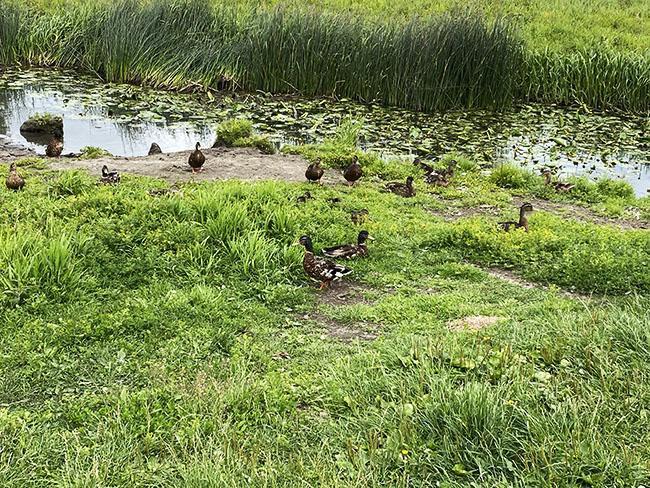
314 172
109 177
422 165
154 149
353 172
196 159
14 181
320 269
442 177
55 146
350 251
359 216
304 197
557 185
406 190
524 210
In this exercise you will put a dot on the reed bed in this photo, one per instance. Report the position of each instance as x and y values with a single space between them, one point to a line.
455 60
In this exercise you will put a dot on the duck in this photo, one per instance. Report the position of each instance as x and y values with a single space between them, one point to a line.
350 251
109 177
304 197
314 172
55 146
334 200
14 181
359 216
160 192
353 172
320 269
442 177
406 190
423 166
154 149
557 185
196 159
524 210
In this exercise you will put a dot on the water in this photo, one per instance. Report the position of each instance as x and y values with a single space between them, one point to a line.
125 120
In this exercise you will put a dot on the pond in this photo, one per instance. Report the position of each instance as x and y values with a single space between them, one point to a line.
125 120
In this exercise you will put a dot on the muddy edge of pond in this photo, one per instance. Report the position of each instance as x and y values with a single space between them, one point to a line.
220 164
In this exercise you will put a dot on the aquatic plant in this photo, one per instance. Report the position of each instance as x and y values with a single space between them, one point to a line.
230 131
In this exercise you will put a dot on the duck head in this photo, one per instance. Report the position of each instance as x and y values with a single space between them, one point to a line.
363 237
305 241
526 208
198 145
12 168
409 181
104 171
417 161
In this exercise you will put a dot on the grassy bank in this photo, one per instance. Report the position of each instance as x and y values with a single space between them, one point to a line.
451 60
174 341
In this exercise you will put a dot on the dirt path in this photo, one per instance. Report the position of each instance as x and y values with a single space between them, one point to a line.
220 164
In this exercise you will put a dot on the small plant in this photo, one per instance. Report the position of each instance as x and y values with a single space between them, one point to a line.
69 183
231 131
510 176
92 152
261 143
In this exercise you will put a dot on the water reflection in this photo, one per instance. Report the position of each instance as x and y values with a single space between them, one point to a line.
125 120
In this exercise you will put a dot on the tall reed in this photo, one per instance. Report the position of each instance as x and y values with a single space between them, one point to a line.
456 60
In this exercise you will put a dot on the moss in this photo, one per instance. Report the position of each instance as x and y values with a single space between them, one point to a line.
262 143
92 152
42 123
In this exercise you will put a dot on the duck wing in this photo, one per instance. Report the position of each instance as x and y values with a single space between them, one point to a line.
325 270
343 251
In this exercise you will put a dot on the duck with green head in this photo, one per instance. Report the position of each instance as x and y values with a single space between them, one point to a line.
350 251
320 269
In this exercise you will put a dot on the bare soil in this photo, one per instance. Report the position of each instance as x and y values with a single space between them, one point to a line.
221 164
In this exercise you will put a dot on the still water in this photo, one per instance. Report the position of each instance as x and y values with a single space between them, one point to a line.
125 120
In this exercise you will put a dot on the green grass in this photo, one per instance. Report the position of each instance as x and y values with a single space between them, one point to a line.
173 341
458 58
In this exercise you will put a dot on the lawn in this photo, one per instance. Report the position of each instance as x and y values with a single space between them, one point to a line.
175 341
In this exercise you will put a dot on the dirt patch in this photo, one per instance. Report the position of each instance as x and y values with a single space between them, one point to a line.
342 293
221 164
473 323
456 213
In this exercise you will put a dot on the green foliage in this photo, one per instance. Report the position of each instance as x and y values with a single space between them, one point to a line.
231 131
514 177
92 152
142 335
261 143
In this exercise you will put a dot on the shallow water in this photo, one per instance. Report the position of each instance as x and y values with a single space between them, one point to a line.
125 120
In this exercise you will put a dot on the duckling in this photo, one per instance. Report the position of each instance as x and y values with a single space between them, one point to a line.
109 177
359 216
55 146
304 197
159 192
14 181
353 172
196 159
557 185
350 251
334 200
320 269
524 210
154 149
314 172
406 190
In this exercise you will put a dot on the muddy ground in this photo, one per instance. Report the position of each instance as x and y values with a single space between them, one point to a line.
220 164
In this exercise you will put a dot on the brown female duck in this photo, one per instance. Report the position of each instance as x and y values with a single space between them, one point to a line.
524 210
196 159
55 146
557 185
353 172
406 190
320 269
14 181
350 251
314 172
359 216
